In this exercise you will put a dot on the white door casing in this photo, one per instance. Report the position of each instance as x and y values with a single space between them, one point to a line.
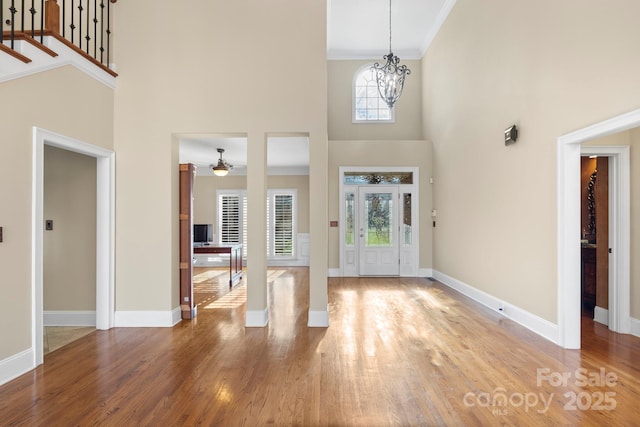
568 193
405 230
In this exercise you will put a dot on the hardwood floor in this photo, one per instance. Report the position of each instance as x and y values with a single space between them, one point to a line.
399 352
56 337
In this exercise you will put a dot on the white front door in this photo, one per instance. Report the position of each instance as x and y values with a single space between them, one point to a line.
378 231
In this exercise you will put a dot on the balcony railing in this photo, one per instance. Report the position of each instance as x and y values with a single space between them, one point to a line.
82 25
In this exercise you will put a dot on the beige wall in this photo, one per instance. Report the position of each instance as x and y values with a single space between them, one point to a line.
630 138
44 100
69 276
250 67
204 195
381 153
551 67
408 114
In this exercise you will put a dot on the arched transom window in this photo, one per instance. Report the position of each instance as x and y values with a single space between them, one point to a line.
368 107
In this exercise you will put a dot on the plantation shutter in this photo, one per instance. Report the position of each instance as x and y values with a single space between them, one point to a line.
269 254
230 217
283 226
244 225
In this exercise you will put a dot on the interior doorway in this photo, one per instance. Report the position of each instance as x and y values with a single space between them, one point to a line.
594 243
568 190
612 288
105 231
69 276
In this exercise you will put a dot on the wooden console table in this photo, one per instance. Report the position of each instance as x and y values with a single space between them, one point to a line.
235 258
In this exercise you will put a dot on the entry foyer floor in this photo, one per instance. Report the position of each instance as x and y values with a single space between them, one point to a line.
398 352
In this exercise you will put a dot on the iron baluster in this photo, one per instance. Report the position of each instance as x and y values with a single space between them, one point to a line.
102 31
80 9
41 21
22 16
33 19
13 11
87 37
73 18
64 17
95 28
108 31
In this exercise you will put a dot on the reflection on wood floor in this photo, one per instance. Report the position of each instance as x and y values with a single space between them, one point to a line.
399 351
56 337
212 284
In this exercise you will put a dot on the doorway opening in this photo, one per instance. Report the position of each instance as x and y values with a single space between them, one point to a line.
69 276
594 243
568 190
379 215
105 232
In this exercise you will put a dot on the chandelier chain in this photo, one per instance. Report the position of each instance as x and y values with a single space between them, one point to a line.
390 26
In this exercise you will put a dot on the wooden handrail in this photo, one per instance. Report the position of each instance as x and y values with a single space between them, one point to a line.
15 54
19 35
80 52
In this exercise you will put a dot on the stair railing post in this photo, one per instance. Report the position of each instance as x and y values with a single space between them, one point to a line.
52 16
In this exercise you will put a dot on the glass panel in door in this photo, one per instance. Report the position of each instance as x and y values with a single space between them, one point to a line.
378 231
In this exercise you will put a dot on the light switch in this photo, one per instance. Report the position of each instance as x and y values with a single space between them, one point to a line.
48 224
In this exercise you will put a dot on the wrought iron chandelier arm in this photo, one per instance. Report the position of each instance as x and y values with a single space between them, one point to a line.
390 76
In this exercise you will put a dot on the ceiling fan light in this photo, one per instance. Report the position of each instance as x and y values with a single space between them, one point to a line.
220 169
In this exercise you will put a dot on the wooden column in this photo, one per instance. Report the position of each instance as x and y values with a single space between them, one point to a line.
52 16
187 176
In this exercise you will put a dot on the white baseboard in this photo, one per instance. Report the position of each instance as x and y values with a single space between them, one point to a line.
422 272
318 319
69 318
257 318
176 315
601 315
334 272
14 366
297 262
635 327
529 320
425 272
147 319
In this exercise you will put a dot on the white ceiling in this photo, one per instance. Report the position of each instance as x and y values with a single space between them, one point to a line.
286 155
356 29
359 29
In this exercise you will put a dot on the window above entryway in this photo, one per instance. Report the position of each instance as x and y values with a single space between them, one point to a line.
368 107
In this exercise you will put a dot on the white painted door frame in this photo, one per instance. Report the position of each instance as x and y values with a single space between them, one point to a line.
105 231
568 196
410 260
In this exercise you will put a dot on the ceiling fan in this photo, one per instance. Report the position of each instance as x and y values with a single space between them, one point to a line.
223 167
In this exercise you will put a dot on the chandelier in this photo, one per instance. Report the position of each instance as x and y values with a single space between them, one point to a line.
222 168
390 76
